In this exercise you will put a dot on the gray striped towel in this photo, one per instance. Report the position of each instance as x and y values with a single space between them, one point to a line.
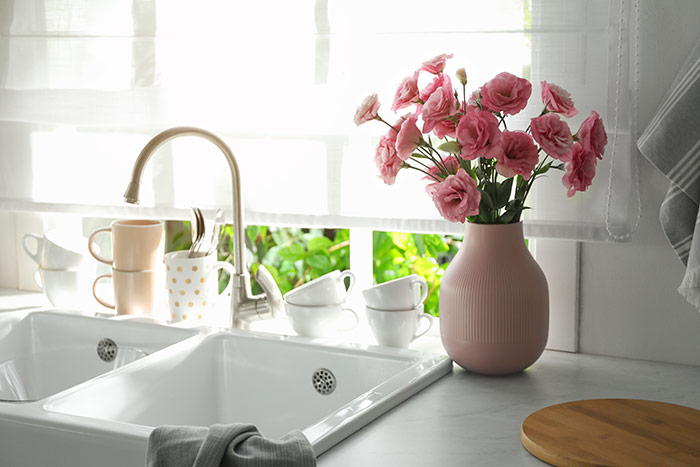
236 445
671 142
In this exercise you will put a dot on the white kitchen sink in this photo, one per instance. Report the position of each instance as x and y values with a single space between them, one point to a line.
278 383
43 353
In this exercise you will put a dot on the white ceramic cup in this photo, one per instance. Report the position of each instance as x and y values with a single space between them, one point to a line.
136 293
193 286
56 249
137 245
319 321
397 328
65 288
328 289
403 293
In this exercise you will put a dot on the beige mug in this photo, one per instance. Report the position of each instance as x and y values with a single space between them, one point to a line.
137 244
137 293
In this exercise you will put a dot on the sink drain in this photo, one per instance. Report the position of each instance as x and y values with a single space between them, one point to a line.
107 349
324 381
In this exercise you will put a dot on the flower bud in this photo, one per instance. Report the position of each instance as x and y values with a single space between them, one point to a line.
462 76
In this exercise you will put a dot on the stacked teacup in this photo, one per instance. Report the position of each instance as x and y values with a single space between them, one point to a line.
318 309
138 276
63 272
395 309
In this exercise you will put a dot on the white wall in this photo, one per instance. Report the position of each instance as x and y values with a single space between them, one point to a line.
629 304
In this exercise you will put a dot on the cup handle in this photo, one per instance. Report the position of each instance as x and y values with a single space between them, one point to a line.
349 274
355 322
94 291
423 287
231 271
92 250
430 325
33 254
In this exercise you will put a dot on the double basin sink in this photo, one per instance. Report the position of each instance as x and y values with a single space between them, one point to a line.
82 391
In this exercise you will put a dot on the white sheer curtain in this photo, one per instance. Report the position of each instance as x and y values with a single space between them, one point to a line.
84 85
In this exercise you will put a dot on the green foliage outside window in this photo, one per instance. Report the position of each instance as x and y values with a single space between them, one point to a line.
295 256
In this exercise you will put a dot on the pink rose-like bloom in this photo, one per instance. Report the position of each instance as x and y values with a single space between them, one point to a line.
519 155
506 93
436 64
407 93
452 164
409 138
557 100
456 197
553 134
447 127
592 134
440 81
478 134
580 170
440 105
367 110
387 160
393 132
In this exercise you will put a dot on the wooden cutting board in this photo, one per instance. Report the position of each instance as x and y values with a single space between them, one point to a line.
614 432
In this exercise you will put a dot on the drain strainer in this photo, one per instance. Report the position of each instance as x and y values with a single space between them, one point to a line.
324 381
107 349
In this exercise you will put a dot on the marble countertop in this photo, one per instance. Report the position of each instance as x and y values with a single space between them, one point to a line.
468 419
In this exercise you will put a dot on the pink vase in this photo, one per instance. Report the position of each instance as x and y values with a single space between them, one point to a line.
494 302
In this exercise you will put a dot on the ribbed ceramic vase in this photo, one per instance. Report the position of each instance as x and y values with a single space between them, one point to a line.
494 302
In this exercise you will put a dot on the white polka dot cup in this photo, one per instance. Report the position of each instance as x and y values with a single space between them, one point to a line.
193 287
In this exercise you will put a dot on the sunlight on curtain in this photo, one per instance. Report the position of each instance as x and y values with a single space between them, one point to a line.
84 85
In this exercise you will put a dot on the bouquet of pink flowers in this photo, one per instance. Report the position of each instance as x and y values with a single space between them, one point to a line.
480 170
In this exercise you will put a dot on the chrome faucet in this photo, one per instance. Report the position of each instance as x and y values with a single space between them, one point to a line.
245 307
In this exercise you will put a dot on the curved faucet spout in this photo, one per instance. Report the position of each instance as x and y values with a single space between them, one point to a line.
244 306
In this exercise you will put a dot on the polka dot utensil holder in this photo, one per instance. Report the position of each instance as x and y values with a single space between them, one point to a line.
193 286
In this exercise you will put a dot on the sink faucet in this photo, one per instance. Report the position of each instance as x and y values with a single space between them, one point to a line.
245 307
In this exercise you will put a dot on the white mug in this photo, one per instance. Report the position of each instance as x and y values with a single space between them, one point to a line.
319 321
403 293
193 286
56 249
65 288
328 289
397 328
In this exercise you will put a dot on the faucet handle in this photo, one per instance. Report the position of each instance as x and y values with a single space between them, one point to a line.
271 290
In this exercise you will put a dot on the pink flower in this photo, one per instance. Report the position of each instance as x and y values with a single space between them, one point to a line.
407 93
441 80
557 100
592 135
580 170
519 155
387 160
436 64
478 134
440 105
452 164
393 132
456 197
447 127
506 93
553 134
409 138
367 110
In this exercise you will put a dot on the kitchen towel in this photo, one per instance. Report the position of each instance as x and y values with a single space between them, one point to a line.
671 142
237 445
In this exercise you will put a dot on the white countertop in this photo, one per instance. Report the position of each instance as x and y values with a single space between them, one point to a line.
467 419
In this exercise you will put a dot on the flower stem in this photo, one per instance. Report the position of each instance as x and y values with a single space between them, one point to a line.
421 170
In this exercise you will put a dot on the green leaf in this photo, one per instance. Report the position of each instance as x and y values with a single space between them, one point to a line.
252 231
319 261
293 252
504 193
451 147
319 243
487 200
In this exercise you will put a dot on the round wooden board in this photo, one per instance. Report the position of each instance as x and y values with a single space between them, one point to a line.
614 432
